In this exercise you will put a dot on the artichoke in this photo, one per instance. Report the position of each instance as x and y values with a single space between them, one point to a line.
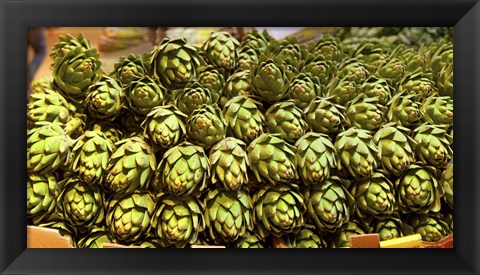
341 236
445 81
305 238
238 83
271 79
431 228
394 148
250 240
391 228
329 47
342 90
41 190
278 209
323 116
220 50
247 58
104 99
256 41
92 152
229 163
418 84
353 70
48 148
131 68
184 170
192 97
243 117
95 238
80 203
164 126
213 80
227 214
47 106
145 94
357 152
374 197
446 181
319 67
206 126
76 126
379 88
315 157
128 216
286 120
433 147
272 159
178 220
131 166
365 113
404 110
393 71
303 89
68 44
418 190
109 130
175 62
329 204
438 110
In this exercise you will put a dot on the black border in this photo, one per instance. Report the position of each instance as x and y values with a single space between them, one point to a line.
16 15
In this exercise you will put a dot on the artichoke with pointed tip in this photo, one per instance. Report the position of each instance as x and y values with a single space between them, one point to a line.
244 119
395 150
329 47
48 106
315 157
192 97
145 94
104 99
238 83
256 40
438 110
229 163
418 190
431 228
48 148
175 62
165 126
228 214
41 190
279 209
404 110
379 88
177 221
341 236
324 116
419 84
318 66
342 90
130 167
357 152
329 204
391 228
271 79
445 81
220 50
213 80
128 216
446 180
392 71
247 58
303 89
206 126
433 147
305 238
286 120
353 70
131 68
365 113
184 170
272 159
67 44
109 130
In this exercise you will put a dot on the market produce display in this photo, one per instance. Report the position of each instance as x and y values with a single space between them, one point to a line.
238 143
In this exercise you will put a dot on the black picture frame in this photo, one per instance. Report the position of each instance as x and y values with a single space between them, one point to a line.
17 15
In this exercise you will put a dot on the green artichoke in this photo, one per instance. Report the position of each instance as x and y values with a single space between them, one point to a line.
206 126
184 170
104 99
433 147
131 166
164 126
418 84
243 117
128 216
109 130
229 163
392 71
76 125
68 44
394 148
96 238
404 110
239 83
80 203
446 181
192 97
340 237
271 79
247 58
431 228
315 157
220 50
365 113
329 204
357 152
379 88
178 220
272 159
441 56
323 116
256 40
286 120
227 214
418 190
329 47
354 70
319 67
213 80
250 240
47 106
342 90
445 81
374 196
391 228
41 190
48 148
175 62
40 85
92 152
303 89
76 71
279 209
305 238
438 110
145 94
131 68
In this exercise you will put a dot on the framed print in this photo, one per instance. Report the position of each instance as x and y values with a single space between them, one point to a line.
161 124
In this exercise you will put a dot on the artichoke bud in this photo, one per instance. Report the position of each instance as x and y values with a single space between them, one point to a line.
305 238
238 83
365 113
213 80
145 94
342 90
271 78
104 99
324 116
341 236
379 88
131 68
433 147
303 89
430 227
446 180
192 97
164 126
438 110
221 50
286 120
41 195
404 110
206 126
244 119
48 106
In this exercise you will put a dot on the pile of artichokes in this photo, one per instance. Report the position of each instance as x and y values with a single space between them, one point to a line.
238 143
